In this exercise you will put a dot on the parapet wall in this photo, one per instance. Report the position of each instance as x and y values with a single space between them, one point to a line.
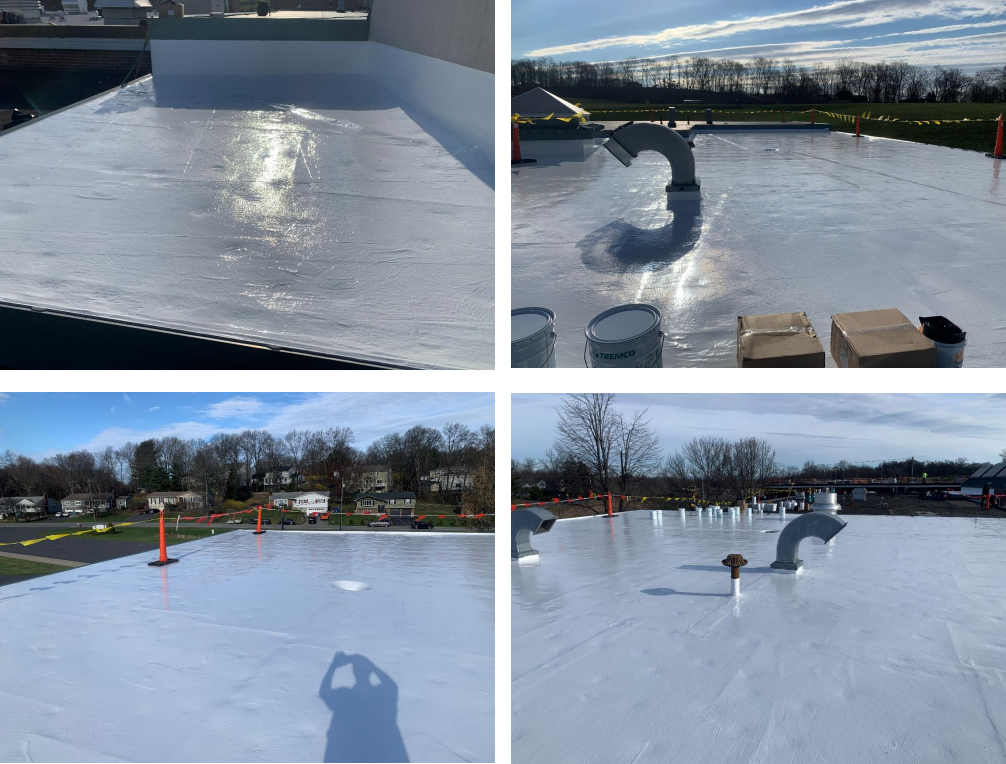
458 31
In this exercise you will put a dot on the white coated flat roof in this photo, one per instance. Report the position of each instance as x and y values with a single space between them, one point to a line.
789 221
224 656
315 212
886 647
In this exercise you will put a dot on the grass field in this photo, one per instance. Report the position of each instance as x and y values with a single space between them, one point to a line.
11 567
151 535
973 136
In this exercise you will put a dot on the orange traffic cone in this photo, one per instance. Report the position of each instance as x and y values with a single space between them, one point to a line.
812 116
609 505
258 530
515 157
857 125
784 116
164 559
998 153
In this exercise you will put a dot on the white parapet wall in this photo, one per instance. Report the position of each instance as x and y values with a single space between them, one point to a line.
257 58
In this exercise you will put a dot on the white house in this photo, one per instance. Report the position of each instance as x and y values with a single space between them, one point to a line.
308 502
29 505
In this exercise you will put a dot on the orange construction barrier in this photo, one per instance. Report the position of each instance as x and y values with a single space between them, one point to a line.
998 153
258 530
164 559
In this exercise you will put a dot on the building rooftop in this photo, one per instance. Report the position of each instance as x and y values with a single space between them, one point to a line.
887 646
789 221
314 213
235 644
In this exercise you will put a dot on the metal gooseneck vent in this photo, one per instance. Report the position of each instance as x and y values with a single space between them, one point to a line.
627 141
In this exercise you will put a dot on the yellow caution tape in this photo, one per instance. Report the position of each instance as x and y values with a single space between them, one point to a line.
29 542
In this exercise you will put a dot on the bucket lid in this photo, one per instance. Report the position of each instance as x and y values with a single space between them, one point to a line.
941 329
626 322
527 322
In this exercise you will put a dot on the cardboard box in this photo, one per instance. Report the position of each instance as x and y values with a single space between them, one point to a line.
778 341
879 339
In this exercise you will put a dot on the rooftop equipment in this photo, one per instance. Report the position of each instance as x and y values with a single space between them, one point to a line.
822 523
525 523
628 140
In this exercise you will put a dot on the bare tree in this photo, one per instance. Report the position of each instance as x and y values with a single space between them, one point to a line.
701 466
587 430
638 450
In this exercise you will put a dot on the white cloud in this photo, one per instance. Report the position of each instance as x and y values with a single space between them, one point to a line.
847 13
968 52
154 408
116 436
127 398
239 406
4 397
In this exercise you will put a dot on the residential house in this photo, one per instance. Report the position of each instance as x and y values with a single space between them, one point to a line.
394 504
88 503
454 479
25 506
375 477
277 478
161 501
308 502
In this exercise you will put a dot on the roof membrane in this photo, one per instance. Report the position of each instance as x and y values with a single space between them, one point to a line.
887 646
314 212
816 222
289 646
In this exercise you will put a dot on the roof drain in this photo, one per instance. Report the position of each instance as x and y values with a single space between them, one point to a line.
628 140
525 523
822 523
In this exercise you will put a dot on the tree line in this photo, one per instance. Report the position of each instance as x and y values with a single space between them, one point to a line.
601 449
231 465
763 79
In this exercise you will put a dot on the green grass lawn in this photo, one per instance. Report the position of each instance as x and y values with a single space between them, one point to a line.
974 136
152 535
11 567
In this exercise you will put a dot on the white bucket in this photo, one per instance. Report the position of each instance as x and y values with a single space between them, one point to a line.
532 338
626 337
949 356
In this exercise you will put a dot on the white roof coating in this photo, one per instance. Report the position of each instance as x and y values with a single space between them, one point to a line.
789 221
887 646
316 212
288 646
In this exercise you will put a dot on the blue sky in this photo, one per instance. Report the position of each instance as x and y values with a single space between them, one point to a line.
966 33
42 424
822 428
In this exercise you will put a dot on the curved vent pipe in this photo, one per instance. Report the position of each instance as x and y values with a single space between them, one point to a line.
628 140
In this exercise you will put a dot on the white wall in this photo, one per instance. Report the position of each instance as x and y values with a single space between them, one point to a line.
458 97
257 57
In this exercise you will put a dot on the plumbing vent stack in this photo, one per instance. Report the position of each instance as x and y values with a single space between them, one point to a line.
822 525
628 140
525 523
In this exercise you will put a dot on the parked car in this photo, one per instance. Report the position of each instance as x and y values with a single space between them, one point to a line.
313 520
287 521
235 521
422 525
380 524
266 521
323 517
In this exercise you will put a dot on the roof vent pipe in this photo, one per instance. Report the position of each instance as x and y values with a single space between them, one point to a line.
525 523
822 525
628 140
826 502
